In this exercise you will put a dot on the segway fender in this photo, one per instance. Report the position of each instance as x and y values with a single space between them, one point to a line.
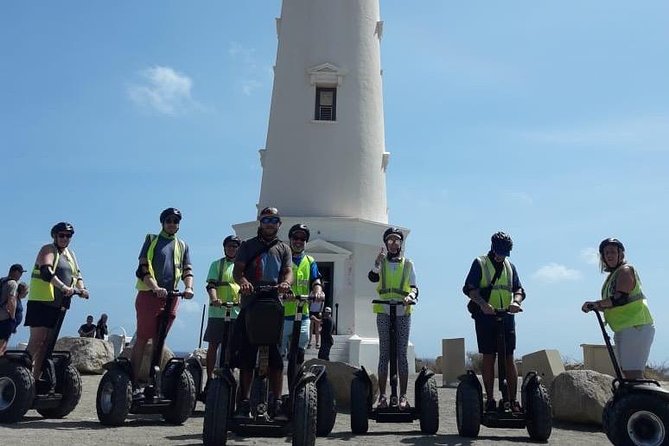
422 378
225 373
22 357
122 364
362 374
471 378
530 382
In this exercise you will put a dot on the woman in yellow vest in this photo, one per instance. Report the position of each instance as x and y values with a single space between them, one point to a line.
625 309
55 275
397 281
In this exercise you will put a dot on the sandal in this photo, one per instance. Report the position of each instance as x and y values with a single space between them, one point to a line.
404 403
383 402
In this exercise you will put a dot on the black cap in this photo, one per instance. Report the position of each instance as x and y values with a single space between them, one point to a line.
17 267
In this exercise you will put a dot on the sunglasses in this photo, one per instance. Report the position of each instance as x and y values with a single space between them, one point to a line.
64 235
172 221
270 220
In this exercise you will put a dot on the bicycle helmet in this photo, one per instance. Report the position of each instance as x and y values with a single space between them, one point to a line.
169 212
392 231
232 239
299 228
501 243
62 227
610 241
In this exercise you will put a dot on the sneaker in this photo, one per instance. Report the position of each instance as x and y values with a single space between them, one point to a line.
137 393
490 405
243 409
383 402
279 412
515 407
404 403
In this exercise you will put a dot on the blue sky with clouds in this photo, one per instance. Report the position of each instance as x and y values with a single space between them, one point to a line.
549 120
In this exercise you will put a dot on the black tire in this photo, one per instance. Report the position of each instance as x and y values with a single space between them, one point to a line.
639 419
69 385
196 372
539 413
468 410
304 415
215 427
359 397
429 407
606 419
17 391
327 407
179 388
114 397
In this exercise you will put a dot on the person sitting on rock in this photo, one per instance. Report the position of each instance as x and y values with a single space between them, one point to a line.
87 330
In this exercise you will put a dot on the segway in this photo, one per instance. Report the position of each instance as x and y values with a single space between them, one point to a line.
58 390
638 411
426 407
170 392
536 412
326 415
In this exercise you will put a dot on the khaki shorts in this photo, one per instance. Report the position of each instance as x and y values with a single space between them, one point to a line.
632 346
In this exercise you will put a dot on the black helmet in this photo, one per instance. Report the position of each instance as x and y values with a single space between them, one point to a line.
297 228
232 239
501 243
269 212
62 227
610 241
169 212
392 231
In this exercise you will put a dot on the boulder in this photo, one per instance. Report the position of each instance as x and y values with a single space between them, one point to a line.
88 354
340 375
146 360
579 396
201 355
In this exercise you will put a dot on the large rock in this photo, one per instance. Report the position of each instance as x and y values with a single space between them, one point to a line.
201 355
579 396
88 354
146 360
340 375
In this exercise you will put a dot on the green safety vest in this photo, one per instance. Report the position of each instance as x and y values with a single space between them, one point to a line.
179 248
226 289
633 313
501 293
301 285
41 290
393 285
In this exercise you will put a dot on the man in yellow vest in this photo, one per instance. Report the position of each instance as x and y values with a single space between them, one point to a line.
492 285
221 287
306 281
397 281
164 260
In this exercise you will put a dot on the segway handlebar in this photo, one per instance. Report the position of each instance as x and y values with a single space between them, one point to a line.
391 302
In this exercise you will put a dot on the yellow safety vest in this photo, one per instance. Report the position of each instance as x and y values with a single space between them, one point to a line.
43 291
179 248
501 293
393 285
226 289
633 313
301 285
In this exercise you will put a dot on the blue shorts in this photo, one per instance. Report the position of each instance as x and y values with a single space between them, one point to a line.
288 333
486 333
6 329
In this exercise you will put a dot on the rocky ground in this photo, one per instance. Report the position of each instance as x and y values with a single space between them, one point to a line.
81 427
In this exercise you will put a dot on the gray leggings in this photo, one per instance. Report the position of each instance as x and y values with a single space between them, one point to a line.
402 328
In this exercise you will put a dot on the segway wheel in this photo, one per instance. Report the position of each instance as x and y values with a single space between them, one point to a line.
180 389
639 419
606 419
539 413
304 415
114 397
69 385
468 410
17 391
429 407
327 407
215 427
359 398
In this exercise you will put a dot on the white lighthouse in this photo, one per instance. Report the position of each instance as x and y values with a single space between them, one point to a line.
324 163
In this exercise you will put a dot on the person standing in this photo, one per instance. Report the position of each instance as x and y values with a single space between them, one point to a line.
87 330
164 260
327 341
10 302
221 287
396 281
101 330
493 285
55 277
625 309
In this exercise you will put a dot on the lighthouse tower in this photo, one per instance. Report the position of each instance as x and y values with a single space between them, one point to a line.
324 163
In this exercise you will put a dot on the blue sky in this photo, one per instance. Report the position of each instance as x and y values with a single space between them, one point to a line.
548 120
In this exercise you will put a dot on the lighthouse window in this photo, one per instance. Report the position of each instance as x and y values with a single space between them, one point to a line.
326 104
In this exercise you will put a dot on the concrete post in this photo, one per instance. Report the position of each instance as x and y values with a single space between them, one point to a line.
453 360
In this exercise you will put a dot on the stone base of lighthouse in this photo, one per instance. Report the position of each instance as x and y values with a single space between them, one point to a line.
345 249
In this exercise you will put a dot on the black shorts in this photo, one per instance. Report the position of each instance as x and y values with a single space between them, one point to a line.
41 314
216 329
245 354
486 333
6 329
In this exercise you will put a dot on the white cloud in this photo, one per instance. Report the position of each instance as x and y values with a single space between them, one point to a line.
590 256
164 90
554 272
522 198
